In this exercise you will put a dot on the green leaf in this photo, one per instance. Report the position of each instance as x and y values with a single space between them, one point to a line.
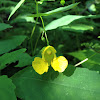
4 26
23 18
65 20
16 7
61 9
93 57
11 43
8 58
7 89
58 10
24 60
82 85
78 27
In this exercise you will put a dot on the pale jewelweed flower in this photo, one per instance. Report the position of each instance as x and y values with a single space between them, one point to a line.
59 64
48 54
41 65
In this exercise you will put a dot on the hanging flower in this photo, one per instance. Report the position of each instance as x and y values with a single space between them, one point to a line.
41 65
48 54
59 64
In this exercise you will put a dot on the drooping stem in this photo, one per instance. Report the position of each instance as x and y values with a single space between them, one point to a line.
45 31
36 43
31 38
46 38
34 27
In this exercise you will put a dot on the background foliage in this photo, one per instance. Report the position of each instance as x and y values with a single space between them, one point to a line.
72 28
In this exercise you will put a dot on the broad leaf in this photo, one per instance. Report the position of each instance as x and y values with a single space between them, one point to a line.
93 58
4 26
8 58
65 20
81 85
11 43
58 10
78 27
7 89
24 60
16 7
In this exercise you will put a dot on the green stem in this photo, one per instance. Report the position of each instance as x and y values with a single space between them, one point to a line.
46 38
36 43
32 36
34 29
44 31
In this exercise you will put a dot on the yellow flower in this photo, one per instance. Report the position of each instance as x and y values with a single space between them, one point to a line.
40 65
48 54
59 64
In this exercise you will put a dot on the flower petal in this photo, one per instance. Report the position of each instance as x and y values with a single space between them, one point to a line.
59 64
48 54
39 65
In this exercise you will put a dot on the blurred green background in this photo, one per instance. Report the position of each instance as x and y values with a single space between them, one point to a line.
72 29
